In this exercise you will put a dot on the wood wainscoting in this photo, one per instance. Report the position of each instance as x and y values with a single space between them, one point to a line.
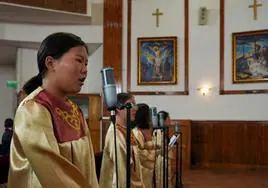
229 143
185 128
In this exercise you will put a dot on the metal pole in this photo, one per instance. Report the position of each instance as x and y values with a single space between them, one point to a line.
128 143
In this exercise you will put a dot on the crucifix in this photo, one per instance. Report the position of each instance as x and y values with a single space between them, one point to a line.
255 8
157 14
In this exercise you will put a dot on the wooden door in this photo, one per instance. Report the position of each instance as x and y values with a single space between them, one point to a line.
94 121
91 106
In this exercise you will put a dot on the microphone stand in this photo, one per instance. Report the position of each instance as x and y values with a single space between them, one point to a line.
179 174
165 157
181 160
165 154
128 106
113 119
128 143
177 164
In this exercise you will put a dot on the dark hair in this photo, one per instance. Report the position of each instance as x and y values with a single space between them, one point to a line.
54 45
142 119
31 84
8 123
165 115
122 98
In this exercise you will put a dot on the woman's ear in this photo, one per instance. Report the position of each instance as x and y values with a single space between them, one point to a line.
50 63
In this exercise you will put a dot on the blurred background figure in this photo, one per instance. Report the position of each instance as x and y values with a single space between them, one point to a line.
146 150
158 137
6 138
4 152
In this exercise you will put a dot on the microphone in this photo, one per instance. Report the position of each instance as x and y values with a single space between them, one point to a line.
174 138
154 118
120 106
177 128
109 90
161 120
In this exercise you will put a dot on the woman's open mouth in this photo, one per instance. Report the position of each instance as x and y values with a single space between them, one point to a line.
82 80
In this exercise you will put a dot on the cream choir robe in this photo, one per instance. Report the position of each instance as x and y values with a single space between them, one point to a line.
51 146
158 135
147 153
108 173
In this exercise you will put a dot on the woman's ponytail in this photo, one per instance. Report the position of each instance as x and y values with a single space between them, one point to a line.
32 84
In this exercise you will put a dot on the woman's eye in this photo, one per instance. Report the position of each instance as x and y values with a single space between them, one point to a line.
79 60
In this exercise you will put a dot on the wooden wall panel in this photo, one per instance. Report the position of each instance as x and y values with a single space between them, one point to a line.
94 123
77 6
112 40
112 37
185 128
229 143
40 3
81 6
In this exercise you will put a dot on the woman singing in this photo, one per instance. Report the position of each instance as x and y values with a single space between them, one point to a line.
51 145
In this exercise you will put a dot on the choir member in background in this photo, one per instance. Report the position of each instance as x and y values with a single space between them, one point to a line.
51 145
146 151
6 137
158 137
108 168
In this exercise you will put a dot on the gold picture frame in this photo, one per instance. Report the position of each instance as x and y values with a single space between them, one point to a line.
157 61
250 56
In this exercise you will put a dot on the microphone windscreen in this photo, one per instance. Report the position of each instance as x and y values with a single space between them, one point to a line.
109 88
154 118
161 120
177 128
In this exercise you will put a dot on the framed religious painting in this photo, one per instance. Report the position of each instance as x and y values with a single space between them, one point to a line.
157 61
250 56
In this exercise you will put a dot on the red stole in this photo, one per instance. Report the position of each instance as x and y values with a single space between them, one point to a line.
67 118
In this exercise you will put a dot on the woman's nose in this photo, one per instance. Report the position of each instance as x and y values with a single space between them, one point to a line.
84 69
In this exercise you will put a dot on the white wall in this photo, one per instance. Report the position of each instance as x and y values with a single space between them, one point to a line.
26 65
93 83
203 58
7 99
27 68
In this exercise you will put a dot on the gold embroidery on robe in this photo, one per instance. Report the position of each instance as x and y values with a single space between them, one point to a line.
68 121
72 118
